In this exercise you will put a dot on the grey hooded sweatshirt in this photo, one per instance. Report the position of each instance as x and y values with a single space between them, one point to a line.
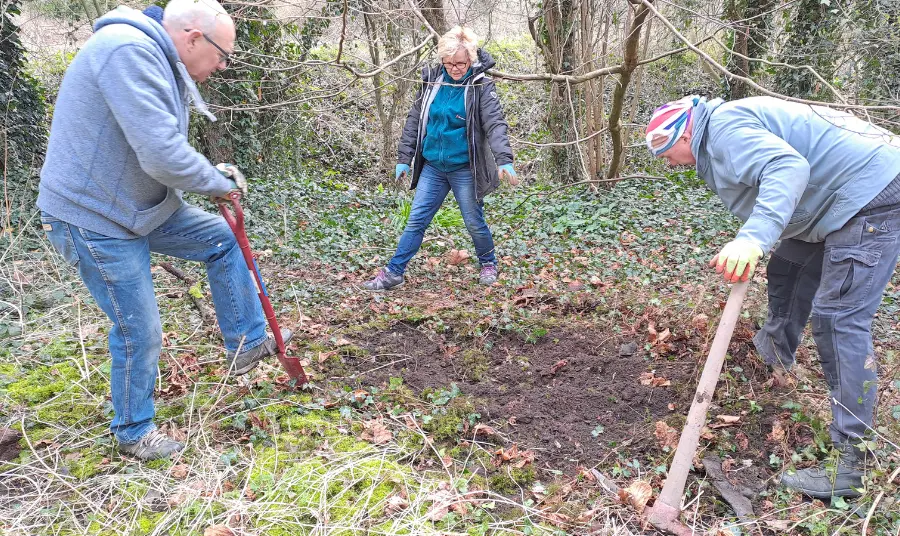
789 170
118 157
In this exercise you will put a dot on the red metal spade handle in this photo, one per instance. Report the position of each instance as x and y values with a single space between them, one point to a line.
236 222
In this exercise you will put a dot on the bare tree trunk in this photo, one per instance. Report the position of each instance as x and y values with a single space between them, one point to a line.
600 107
629 63
386 127
556 39
384 38
587 62
433 11
638 78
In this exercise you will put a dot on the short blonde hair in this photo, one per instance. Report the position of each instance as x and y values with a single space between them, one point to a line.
458 37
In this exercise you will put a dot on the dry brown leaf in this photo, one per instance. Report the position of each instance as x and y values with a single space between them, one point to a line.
778 524
651 332
375 432
648 378
588 515
700 322
728 465
395 504
728 419
457 256
460 507
485 430
558 519
179 471
323 356
555 368
707 434
777 434
409 421
218 530
666 436
638 494
663 336
743 441
514 456
441 499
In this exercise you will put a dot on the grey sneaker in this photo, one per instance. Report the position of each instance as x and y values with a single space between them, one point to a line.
488 275
823 482
247 360
385 280
152 446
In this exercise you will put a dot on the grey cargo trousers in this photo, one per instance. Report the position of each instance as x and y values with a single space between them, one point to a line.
839 284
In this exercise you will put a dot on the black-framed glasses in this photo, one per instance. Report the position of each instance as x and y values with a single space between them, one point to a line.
455 65
224 57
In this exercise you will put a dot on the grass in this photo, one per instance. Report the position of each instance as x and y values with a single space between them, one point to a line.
264 460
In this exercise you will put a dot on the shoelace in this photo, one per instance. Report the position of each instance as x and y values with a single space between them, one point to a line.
153 439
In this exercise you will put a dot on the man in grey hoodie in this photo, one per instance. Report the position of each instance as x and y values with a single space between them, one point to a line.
825 186
118 160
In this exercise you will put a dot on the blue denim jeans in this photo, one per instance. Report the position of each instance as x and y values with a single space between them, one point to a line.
117 274
839 284
431 190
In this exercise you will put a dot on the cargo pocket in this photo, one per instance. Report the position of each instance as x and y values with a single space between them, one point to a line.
853 270
60 236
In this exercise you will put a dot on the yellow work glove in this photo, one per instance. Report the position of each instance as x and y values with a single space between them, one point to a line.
737 260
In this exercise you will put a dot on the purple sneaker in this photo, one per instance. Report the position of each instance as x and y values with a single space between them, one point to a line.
385 280
488 275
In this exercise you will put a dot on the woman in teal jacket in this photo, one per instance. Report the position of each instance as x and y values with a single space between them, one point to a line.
454 139
825 184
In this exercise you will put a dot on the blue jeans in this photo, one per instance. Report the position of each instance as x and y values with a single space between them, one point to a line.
839 284
431 190
117 274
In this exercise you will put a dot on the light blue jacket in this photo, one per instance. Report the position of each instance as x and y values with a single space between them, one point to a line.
790 170
118 157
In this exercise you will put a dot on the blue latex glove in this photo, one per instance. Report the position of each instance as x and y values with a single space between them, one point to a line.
402 171
509 172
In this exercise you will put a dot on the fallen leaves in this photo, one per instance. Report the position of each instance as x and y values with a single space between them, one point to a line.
778 432
446 500
726 421
484 430
179 471
700 322
457 256
375 432
555 368
395 504
513 456
666 436
638 494
649 378
218 530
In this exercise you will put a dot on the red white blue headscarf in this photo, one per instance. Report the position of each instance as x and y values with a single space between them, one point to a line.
668 123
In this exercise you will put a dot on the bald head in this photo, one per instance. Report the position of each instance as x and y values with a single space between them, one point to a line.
203 34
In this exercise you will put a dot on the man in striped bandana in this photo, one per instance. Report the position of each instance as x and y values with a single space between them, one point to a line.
822 188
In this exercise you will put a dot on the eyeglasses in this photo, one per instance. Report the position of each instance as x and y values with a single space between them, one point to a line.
224 57
455 65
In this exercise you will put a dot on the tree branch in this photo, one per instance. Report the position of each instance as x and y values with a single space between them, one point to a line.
731 76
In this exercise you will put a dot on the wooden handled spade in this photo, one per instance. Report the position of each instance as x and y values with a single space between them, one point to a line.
665 512
236 221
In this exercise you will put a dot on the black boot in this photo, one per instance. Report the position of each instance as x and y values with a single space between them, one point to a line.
843 478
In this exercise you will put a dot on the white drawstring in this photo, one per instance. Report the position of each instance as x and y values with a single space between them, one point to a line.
196 99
